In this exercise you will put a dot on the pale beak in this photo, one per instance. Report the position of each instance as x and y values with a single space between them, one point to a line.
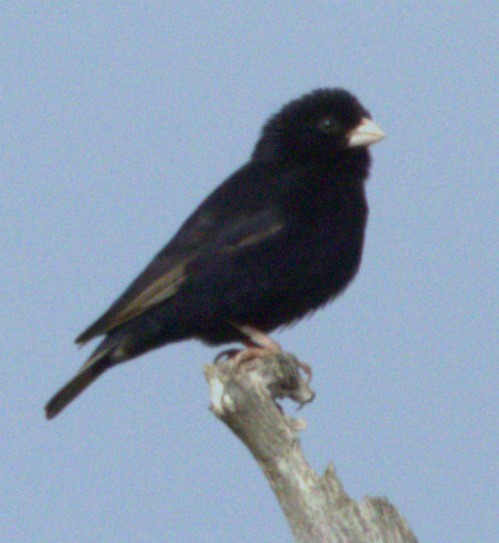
365 133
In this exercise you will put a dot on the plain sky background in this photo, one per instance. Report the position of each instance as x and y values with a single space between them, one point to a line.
117 118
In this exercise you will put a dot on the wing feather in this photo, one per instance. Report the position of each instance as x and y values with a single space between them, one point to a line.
197 240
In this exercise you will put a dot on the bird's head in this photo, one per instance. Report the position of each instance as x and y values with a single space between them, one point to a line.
319 126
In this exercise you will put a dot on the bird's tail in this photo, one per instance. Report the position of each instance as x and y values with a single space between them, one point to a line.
95 366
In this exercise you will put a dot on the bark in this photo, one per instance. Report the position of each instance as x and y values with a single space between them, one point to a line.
243 396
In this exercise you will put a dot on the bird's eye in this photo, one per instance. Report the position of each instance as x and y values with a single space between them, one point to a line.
329 125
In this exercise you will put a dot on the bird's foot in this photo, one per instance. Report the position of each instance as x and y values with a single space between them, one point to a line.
257 338
253 352
226 354
257 343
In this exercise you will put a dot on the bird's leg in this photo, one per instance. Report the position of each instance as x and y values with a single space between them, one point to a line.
257 338
257 344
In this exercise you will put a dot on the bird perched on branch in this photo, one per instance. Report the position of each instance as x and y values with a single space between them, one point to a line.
279 238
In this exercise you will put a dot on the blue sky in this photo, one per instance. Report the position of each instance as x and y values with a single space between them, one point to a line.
117 119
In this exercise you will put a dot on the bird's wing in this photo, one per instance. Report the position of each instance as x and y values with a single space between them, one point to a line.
208 234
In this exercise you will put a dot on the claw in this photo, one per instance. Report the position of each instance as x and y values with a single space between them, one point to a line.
229 353
246 355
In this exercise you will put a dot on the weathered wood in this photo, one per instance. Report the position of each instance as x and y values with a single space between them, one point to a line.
318 509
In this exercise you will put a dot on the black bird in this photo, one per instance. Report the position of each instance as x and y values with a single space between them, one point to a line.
279 238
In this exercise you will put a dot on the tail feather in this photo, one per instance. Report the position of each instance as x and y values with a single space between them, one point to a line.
73 389
101 360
